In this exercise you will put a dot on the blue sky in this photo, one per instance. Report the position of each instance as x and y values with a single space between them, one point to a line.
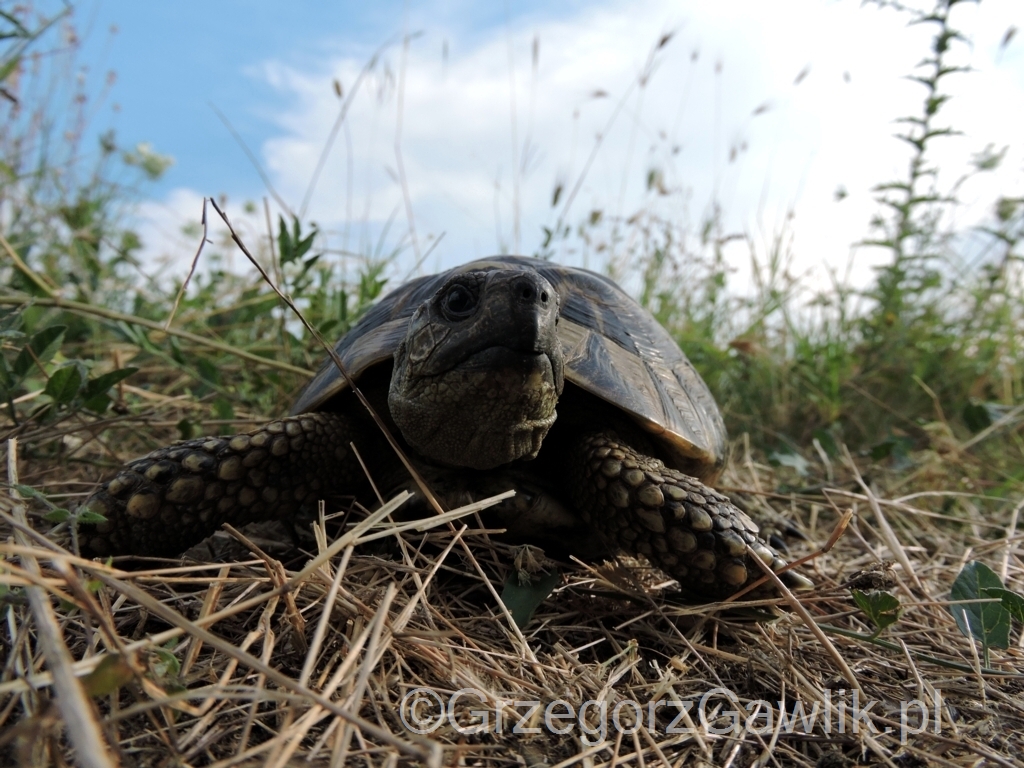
175 59
486 138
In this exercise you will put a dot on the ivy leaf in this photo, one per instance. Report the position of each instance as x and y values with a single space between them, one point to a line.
1011 601
881 607
988 622
522 599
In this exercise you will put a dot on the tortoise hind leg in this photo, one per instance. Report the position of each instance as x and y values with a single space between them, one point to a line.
693 533
162 504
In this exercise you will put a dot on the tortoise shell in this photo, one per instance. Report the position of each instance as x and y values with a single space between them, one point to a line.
614 349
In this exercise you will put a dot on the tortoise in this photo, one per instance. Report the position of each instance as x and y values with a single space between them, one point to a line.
466 369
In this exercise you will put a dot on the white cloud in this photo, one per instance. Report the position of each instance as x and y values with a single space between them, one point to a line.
171 231
162 226
460 161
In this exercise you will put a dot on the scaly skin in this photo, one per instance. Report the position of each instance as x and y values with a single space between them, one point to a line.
475 383
162 504
693 533
175 497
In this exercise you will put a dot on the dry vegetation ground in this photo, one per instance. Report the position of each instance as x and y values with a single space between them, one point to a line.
300 649
295 656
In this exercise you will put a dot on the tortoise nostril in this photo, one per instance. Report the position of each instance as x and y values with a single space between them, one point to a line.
533 292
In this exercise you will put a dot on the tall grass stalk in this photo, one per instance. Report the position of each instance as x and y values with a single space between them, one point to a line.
920 360
913 364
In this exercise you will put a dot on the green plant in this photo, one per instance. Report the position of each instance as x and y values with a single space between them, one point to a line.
74 286
918 361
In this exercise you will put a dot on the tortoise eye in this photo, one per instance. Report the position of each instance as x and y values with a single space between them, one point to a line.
458 303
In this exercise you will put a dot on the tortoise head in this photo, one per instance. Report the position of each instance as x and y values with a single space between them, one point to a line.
479 373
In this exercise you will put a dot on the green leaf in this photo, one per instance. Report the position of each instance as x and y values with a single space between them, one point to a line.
136 335
28 492
186 429
8 67
43 346
881 450
11 319
881 607
976 417
523 599
303 246
223 409
98 403
987 622
90 517
208 371
176 354
64 384
1011 601
895 448
56 515
167 664
293 246
110 675
285 244
101 384
6 379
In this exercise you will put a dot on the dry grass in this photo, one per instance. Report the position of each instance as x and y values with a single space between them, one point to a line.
279 654
289 657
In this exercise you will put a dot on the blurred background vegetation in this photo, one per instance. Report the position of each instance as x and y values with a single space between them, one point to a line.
919 372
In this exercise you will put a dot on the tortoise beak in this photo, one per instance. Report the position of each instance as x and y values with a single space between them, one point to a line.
534 309
533 306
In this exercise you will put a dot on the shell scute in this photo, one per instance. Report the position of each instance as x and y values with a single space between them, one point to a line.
614 349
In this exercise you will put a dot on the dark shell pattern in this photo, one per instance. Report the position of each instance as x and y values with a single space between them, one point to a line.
613 347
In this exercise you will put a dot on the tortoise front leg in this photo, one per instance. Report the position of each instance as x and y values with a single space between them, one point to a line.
693 533
162 504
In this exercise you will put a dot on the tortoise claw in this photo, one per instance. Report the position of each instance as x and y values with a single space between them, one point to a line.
164 503
692 532
797 581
